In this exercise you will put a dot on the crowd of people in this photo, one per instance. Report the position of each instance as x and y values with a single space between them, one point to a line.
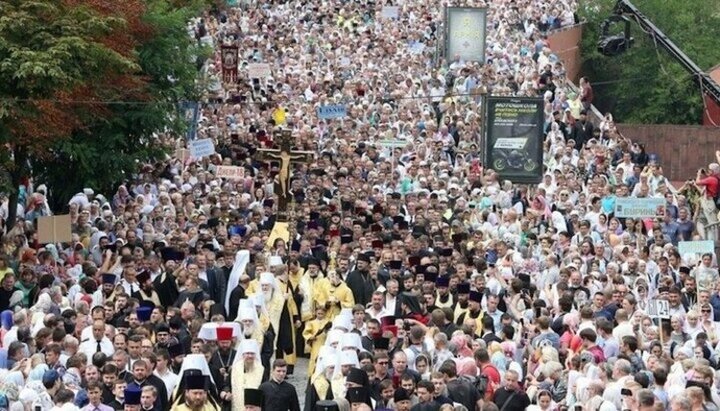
413 278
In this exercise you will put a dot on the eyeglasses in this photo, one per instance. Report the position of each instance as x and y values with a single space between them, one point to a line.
383 362
706 310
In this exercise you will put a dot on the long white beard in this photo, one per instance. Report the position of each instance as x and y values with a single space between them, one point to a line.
268 295
248 331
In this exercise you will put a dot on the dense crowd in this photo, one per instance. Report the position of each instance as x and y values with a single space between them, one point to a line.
414 277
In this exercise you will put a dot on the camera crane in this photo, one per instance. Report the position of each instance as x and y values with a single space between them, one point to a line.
616 44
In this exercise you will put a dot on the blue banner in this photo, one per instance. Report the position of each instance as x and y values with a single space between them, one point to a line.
329 112
191 113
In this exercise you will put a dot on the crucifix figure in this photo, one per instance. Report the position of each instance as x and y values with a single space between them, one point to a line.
286 156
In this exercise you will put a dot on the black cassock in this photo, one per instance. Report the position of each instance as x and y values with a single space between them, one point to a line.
285 343
218 362
166 289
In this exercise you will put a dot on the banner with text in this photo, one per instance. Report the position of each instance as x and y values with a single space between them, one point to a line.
230 172
465 33
329 112
202 148
696 247
514 138
259 70
626 207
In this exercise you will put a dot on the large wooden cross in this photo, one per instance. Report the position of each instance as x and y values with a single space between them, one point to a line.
286 156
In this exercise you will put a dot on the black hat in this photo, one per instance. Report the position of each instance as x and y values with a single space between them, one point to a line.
195 382
401 394
356 394
143 276
475 296
396 265
403 225
346 239
430 277
363 257
398 219
446 252
377 244
414 260
442 281
254 397
109 278
463 288
326 406
175 350
357 376
132 394
295 245
382 343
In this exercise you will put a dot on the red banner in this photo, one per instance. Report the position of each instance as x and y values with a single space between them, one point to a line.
229 63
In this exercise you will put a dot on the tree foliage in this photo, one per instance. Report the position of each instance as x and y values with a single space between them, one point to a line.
86 86
646 84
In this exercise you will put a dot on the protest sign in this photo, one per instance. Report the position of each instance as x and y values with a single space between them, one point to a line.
626 207
259 70
390 12
330 112
202 148
696 247
230 172
54 229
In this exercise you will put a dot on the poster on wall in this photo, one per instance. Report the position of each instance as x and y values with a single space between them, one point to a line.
514 138
465 33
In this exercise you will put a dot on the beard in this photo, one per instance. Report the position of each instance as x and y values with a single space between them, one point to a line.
248 331
268 295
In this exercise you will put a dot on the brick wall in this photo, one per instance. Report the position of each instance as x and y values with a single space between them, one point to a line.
566 44
682 149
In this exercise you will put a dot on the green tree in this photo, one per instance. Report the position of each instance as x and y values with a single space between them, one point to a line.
646 84
110 151
50 52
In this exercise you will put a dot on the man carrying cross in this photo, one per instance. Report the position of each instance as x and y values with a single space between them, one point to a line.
286 156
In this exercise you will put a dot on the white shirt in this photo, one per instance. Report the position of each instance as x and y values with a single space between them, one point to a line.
377 314
89 348
623 329
390 304
170 379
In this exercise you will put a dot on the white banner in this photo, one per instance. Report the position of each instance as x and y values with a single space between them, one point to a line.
259 70
230 172
465 33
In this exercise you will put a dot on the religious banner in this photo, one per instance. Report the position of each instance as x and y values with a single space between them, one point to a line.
230 172
465 33
514 138
229 63
191 113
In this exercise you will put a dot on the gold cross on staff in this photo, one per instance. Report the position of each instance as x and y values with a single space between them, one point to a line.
286 156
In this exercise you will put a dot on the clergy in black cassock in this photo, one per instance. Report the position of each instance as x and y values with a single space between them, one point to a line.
319 388
222 360
166 288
